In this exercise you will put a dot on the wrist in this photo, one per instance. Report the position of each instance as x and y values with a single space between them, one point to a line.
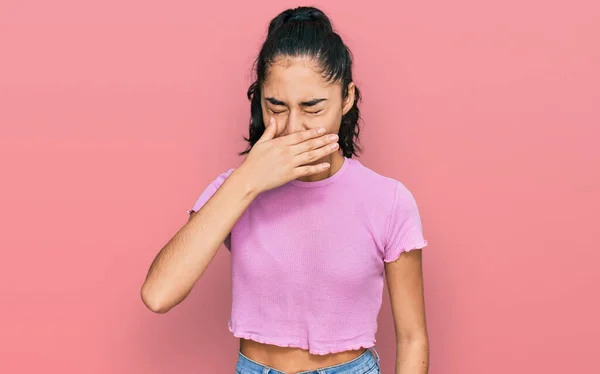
243 179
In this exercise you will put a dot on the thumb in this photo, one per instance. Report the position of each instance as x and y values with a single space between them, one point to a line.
270 131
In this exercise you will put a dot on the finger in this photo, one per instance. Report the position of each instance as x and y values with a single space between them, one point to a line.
302 136
316 154
315 143
269 132
302 171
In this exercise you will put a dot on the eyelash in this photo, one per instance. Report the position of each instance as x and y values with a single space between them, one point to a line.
317 112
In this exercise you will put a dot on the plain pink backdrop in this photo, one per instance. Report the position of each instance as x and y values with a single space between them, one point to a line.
116 114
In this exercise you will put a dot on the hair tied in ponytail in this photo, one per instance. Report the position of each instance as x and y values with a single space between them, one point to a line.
289 36
300 17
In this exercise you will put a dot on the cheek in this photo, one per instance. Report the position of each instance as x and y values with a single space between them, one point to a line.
330 121
279 121
266 117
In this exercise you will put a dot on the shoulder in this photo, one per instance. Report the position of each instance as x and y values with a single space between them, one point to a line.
217 180
223 176
210 189
385 187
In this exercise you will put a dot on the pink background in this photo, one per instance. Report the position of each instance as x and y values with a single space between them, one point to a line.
116 114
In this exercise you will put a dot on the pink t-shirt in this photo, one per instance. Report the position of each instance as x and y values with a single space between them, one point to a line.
308 258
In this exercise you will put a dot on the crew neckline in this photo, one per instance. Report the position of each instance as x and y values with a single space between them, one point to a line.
323 182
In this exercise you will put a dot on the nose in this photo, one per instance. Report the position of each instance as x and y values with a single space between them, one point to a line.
294 123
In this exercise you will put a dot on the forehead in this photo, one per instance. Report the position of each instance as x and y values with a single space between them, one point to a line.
293 77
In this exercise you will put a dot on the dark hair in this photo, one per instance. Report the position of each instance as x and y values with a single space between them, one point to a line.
306 31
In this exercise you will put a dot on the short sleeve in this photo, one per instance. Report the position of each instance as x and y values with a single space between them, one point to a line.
207 194
404 231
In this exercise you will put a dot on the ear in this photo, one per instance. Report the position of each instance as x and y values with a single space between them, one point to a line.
349 101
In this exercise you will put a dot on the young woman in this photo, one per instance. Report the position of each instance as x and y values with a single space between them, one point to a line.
310 229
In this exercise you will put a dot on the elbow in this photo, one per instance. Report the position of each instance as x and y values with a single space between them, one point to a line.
417 337
153 300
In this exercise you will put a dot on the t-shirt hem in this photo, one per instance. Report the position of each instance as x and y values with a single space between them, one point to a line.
313 348
420 245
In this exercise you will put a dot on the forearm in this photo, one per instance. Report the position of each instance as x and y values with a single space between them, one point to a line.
183 260
412 356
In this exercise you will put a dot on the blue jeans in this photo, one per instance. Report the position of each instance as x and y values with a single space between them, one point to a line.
367 363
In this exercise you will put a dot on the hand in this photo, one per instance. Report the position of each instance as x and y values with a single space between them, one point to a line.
274 162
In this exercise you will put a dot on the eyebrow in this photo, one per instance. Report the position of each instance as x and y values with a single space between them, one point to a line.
312 102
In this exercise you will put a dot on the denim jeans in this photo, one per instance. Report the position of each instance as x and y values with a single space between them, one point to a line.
367 363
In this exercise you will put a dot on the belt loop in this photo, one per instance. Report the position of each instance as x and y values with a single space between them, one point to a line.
376 354
266 370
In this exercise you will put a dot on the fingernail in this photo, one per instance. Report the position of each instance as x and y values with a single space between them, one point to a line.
333 137
321 130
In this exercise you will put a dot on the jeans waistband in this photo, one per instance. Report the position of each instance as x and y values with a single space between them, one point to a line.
363 363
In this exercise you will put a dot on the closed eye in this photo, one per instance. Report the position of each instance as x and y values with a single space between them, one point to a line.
282 111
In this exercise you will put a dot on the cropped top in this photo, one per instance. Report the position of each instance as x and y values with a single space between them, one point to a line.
307 258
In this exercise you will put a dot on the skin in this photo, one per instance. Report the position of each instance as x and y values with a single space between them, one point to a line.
282 154
404 278
298 98
289 95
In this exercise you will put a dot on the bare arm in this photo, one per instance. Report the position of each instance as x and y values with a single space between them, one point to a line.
183 260
405 285
271 163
